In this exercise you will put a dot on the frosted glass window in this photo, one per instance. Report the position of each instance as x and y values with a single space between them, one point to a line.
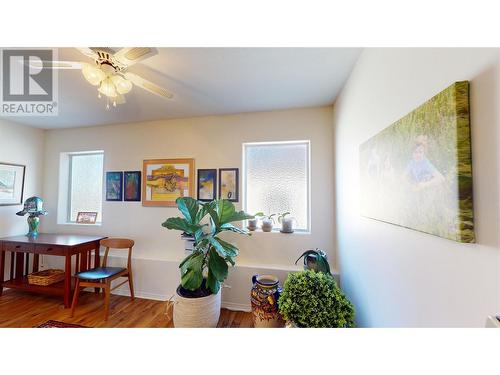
276 178
85 187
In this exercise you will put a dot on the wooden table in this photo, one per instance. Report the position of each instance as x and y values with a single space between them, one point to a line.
65 245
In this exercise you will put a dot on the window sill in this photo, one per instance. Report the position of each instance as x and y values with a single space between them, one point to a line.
82 224
277 231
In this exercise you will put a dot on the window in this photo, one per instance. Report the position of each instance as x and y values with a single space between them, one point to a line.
276 179
81 181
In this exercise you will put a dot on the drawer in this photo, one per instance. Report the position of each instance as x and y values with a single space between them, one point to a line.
50 250
18 247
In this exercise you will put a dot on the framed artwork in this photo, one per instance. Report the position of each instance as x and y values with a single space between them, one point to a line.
165 180
114 186
229 184
207 184
11 184
417 173
86 217
132 186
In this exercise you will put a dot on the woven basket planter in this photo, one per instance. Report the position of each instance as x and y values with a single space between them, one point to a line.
201 312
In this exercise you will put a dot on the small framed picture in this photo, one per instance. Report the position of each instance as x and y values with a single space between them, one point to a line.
229 184
132 186
207 184
11 184
86 217
114 186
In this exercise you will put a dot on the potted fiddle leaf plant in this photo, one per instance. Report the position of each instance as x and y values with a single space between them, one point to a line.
198 297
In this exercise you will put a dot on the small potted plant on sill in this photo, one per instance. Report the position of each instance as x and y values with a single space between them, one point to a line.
313 300
252 223
198 298
286 222
267 223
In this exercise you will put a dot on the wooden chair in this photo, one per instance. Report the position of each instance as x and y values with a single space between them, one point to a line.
101 277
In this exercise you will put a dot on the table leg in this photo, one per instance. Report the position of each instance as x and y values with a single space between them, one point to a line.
67 282
36 260
2 269
97 261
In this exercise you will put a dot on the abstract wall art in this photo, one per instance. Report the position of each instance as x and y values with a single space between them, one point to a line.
229 184
417 173
165 180
114 186
11 184
207 184
132 186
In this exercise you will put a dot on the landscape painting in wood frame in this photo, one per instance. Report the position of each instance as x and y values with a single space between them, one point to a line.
417 173
11 184
165 180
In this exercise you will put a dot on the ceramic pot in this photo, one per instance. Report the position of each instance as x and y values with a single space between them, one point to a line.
252 224
267 225
203 312
264 298
287 225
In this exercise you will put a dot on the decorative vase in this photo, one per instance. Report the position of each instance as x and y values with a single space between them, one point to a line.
267 225
252 224
33 223
202 312
264 298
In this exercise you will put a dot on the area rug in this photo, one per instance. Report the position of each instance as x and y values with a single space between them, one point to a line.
58 324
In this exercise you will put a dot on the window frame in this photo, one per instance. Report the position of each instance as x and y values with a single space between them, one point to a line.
69 205
307 142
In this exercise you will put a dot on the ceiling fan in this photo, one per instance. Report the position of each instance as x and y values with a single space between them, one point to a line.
108 71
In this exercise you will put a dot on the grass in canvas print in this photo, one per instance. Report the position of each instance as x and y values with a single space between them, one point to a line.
417 173
7 180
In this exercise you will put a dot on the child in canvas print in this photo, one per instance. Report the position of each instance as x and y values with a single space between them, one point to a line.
420 171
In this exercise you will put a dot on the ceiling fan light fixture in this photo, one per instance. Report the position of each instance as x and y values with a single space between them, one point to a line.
108 88
93 74
122 85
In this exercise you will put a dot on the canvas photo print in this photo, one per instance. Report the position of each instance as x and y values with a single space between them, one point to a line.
417 173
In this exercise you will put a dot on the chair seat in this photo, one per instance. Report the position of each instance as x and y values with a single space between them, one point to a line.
99 273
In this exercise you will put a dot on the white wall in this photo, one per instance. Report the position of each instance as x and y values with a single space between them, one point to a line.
21 144
396 276
214 142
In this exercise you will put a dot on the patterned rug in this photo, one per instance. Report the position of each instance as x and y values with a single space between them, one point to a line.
58 324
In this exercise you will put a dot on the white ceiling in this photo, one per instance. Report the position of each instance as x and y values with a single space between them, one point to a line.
207 81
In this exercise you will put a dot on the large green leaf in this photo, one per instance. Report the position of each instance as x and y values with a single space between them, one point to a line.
179 223
224 248
189 208
227 212
217 265
232 228
192 271
212 283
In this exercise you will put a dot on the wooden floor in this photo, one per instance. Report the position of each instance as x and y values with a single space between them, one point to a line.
19 309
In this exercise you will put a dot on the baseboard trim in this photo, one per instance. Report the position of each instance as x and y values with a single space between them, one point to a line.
236 306
162 297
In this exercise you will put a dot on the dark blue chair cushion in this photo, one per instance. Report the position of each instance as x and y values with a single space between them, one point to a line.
99 273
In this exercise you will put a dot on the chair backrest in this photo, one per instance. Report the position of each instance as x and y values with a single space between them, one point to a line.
117 243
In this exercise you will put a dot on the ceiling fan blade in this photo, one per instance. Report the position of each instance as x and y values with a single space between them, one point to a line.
59 65
132 55
87 52
149 86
